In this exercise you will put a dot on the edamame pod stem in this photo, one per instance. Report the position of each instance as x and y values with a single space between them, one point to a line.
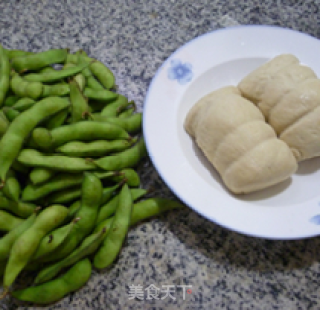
39 60
8 221
95 148
53 240
125 159
144 210
79 105
100 94
55 75
60 181
19 208
87 247
83 131
12 141
114 239
109 207
33 158
23 88
52 291
131 124
4 74
90 202
113 108
26 245
40 175
8 240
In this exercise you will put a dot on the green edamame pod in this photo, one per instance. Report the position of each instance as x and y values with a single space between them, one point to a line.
23 104
90 202
8 221
4 123
4 74
129 175
40 175
64 196
55 75
88 246
79 78
37 61
144 210
58 90
131 124
53 240
52 291
10 100
12 188
26 245
33 158
74 208
95 148
12 141
47 70
108 209
8 240
103 74
125 159
58 119
85 131
126 113
114 108
69 194
60 181
10 113
23 88
79 105
119 228
16 53
107 194
91 81
100 94
40 137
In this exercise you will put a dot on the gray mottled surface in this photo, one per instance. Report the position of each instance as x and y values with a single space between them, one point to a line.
226 270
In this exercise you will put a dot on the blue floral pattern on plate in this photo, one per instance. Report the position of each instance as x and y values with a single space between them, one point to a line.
315 219
182 72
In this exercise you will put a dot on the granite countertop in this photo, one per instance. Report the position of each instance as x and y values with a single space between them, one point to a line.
226 270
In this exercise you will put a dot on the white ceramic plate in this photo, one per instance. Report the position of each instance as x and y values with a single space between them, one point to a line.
289 210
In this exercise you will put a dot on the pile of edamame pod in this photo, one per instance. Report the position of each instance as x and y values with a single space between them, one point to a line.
69 189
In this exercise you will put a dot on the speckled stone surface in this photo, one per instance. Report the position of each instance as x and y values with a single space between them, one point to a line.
226 270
